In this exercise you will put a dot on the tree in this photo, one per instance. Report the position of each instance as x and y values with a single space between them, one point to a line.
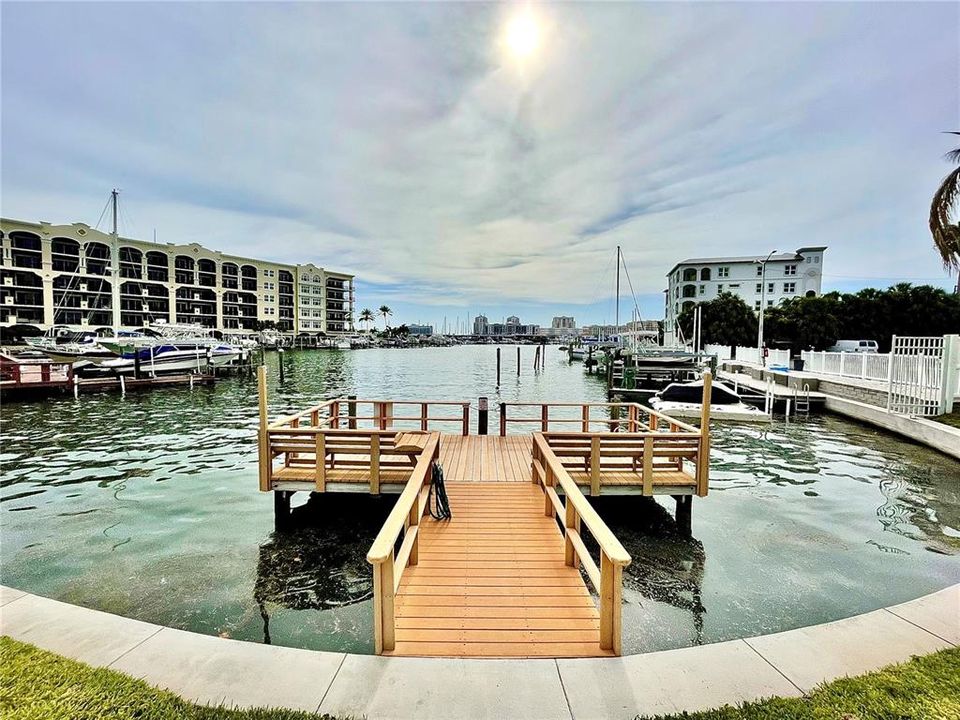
386 312
726 320
367 317
869 314
946 202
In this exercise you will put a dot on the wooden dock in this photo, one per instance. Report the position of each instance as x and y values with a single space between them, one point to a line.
505 576
493 582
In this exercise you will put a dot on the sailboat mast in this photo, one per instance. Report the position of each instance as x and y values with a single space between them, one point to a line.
617 321
115 265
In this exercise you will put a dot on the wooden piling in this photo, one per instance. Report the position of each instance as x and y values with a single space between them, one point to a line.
498 367
262 446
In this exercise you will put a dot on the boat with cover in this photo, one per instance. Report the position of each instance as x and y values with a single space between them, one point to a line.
686 400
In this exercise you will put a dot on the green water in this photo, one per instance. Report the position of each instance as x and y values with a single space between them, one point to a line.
147 506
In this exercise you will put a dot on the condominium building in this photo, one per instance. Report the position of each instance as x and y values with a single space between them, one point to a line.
759 281
511 326
563 322
78 276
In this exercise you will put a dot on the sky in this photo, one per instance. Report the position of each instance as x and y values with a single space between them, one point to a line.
456 171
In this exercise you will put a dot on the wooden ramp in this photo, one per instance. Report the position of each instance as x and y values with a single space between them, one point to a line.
492 581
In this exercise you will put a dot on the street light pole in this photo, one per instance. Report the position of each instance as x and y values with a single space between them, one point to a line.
763 305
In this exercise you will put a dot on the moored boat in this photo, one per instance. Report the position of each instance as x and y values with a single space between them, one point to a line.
685 400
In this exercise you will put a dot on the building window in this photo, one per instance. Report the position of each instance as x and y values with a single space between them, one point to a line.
759 269
759 287
756 305
719 288
789 269
689 274
705 274
723 272
770 287
689 291
703 289
769 303
789 288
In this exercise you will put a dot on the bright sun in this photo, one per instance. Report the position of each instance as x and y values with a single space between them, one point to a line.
523 35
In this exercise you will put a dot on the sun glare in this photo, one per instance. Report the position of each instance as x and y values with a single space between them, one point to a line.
523 35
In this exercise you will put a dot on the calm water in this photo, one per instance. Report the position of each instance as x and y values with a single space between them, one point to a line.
147 506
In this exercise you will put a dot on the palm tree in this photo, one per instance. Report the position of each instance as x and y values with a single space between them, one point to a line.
946 202
367 317
386 312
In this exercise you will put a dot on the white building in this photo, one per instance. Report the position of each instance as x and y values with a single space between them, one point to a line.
785 275
77 276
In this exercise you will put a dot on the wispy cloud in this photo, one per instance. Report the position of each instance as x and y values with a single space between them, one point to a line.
398 142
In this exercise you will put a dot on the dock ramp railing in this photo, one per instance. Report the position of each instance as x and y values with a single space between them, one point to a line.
388 565
573 512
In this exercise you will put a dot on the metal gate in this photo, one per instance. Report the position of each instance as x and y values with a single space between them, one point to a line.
917 376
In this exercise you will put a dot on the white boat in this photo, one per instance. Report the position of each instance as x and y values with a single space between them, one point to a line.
685 400
162 359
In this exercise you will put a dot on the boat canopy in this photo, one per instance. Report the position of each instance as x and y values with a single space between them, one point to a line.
692 392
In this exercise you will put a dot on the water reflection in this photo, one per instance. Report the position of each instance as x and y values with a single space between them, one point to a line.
667 565
319 561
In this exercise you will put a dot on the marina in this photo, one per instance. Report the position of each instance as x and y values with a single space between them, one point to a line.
166 524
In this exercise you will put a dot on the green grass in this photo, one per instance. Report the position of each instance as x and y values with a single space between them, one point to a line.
949 419
926 688
36 685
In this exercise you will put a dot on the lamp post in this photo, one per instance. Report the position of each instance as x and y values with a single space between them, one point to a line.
763 305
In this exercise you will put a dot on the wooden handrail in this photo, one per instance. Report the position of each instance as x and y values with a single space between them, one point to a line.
631 421
387 569
608 578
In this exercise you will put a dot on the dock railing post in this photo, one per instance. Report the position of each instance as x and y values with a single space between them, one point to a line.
611 589
498 367
483 413
262 443
466 419
503 419
703 456
352 411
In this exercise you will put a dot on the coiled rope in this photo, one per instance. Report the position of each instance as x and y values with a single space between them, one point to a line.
440 499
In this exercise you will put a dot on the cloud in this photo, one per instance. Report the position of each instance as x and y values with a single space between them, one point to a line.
397 141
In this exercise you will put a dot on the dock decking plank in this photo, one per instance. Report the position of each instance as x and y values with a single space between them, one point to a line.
491 582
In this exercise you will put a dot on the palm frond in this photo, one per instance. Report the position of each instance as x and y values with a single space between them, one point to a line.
946 233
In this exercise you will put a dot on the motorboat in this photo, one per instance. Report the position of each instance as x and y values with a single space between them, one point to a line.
158 359
686 400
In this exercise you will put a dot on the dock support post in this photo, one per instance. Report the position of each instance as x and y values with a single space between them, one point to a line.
263 448
503 419
281 509
280 362
76 387
352 411
684 515
518 361
483 413
498 367
123 385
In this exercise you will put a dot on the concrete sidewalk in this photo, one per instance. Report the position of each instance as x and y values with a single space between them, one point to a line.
207 669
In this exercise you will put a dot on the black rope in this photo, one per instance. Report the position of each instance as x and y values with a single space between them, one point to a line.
440 500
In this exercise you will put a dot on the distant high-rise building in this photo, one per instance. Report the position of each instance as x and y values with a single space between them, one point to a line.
563 322
481 326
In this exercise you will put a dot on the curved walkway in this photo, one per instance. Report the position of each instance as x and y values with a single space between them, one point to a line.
208 669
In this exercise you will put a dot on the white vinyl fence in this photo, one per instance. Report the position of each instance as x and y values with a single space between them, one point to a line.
922 374
866 366
748 354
